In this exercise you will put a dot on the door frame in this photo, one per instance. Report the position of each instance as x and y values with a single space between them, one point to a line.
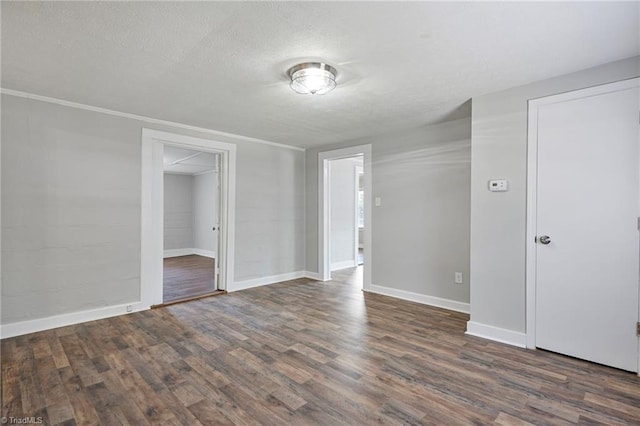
324 209
532 179
152 214
358 170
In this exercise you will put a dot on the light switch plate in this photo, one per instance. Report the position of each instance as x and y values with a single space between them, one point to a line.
498 185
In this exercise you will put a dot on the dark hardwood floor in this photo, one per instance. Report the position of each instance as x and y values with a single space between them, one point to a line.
187 276
301 352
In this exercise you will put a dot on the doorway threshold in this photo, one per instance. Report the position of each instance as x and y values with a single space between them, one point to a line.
189 299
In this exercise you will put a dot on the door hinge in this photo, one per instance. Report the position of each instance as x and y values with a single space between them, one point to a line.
638 329
638 223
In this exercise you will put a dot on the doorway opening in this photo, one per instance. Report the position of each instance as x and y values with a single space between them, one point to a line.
188 197
346 219
344 213
191 222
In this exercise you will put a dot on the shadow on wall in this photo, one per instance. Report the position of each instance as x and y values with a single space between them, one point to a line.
429 159
458 112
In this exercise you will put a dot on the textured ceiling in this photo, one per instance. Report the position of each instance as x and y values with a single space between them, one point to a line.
222 65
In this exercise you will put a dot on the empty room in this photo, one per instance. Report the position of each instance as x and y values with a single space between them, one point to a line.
334 213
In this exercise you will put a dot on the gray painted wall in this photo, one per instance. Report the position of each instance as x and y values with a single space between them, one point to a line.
498 220
343 206
205 211
71 209
178 211
421 230
269 212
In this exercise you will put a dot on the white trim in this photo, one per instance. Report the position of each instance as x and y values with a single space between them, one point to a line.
205 253
438 302
496 334
356 238
312 275
532 179
178 252
272 279
344 264
153 142
206 172
70 104
152 220
324 241
41 324
188 251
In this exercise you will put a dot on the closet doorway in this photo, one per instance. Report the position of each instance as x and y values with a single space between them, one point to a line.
218 259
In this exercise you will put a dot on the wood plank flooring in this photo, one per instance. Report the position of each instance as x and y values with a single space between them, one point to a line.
187 276
301 352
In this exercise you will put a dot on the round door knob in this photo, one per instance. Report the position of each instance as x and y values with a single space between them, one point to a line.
545 239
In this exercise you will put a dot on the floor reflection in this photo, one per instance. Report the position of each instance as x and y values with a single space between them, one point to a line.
352 276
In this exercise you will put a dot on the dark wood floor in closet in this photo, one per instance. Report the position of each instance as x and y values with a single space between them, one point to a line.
303 353
187 276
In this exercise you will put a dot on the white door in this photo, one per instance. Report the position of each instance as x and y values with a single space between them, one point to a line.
586 301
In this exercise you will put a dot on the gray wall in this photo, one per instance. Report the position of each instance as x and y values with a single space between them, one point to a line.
421 230
498 220
178 211
205 211
71 209
343 207
270 212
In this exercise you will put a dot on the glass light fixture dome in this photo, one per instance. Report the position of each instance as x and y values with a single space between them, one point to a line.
312 78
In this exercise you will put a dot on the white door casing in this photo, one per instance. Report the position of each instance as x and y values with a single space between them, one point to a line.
153 142
584 193
359 170
324 241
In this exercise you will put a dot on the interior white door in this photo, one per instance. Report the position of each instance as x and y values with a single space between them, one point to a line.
588 206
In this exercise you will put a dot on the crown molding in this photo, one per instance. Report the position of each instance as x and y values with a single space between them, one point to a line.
70 104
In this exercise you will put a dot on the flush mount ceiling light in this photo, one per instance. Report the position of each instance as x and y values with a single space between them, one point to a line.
312 78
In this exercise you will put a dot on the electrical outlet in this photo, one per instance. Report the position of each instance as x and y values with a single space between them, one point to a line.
458 277
129 308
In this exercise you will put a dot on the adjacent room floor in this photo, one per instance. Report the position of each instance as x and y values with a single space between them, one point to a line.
187 276
301 352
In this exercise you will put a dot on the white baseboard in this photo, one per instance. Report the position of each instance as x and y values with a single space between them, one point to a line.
41 324
344 264
188 251
452 305
313 275
205 253
501 335
179 252
272 279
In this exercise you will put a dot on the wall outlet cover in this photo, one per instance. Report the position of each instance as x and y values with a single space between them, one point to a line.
498 185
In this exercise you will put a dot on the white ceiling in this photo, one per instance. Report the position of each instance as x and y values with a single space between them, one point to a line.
187 162
222 65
